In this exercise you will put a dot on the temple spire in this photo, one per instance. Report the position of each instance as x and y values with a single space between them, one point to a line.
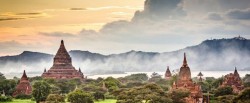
185 60
24 77
62 43
44 70
80 70
236 72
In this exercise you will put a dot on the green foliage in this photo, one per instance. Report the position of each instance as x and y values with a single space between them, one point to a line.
216 83
99 95
5 98
141 77
225 99
8 86
223 91
79 96
112 84
178 95
36 78
2 77
41 90
23 96
65 86
243 97
134 84
55 98
150 93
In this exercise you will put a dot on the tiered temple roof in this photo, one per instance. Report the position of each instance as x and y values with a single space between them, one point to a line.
233 80
184 81
62 67
24 86
168 74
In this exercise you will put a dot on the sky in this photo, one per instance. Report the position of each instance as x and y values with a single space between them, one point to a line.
116 26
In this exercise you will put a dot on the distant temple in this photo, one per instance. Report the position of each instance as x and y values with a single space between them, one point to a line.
168 74
200 75
184 81
62 67
233 80
23 87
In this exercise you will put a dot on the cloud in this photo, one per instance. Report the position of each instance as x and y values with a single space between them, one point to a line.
20 16
214 16
30 13
160 9
10 18
57 34
239 14
77 9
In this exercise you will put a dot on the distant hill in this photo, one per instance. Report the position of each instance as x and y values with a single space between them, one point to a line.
216 54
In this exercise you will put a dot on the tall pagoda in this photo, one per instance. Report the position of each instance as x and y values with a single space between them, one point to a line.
23 87
185 82
62 66
168 74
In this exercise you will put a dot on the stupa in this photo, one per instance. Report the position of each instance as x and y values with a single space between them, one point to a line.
185 82
168 74
233 80
23 87
62 66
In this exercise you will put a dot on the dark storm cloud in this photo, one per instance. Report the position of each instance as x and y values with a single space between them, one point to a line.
10 18
57 34
160 9
239 14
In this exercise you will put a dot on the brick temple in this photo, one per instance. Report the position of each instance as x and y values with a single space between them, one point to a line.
62 66
185 82
168 74
23 87
233 80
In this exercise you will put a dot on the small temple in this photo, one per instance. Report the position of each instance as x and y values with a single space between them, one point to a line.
23 87
168 74
62 66
233 80
200 75
184 81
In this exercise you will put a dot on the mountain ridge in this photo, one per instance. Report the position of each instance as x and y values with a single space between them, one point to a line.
214 54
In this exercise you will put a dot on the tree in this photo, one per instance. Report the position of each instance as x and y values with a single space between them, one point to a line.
225 99
41 90
79 96
243 97
223 91
178 95
2 77
55 98
65 86
150 93
7 86
99 95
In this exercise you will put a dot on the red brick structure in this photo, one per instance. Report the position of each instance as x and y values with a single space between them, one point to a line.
184 81
62 67
233 80
168 74
24 86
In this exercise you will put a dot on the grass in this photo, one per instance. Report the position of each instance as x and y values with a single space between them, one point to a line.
22 101
29 101
106 101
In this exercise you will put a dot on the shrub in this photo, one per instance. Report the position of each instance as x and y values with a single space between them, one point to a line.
79 96
55 98
23 96
5 98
